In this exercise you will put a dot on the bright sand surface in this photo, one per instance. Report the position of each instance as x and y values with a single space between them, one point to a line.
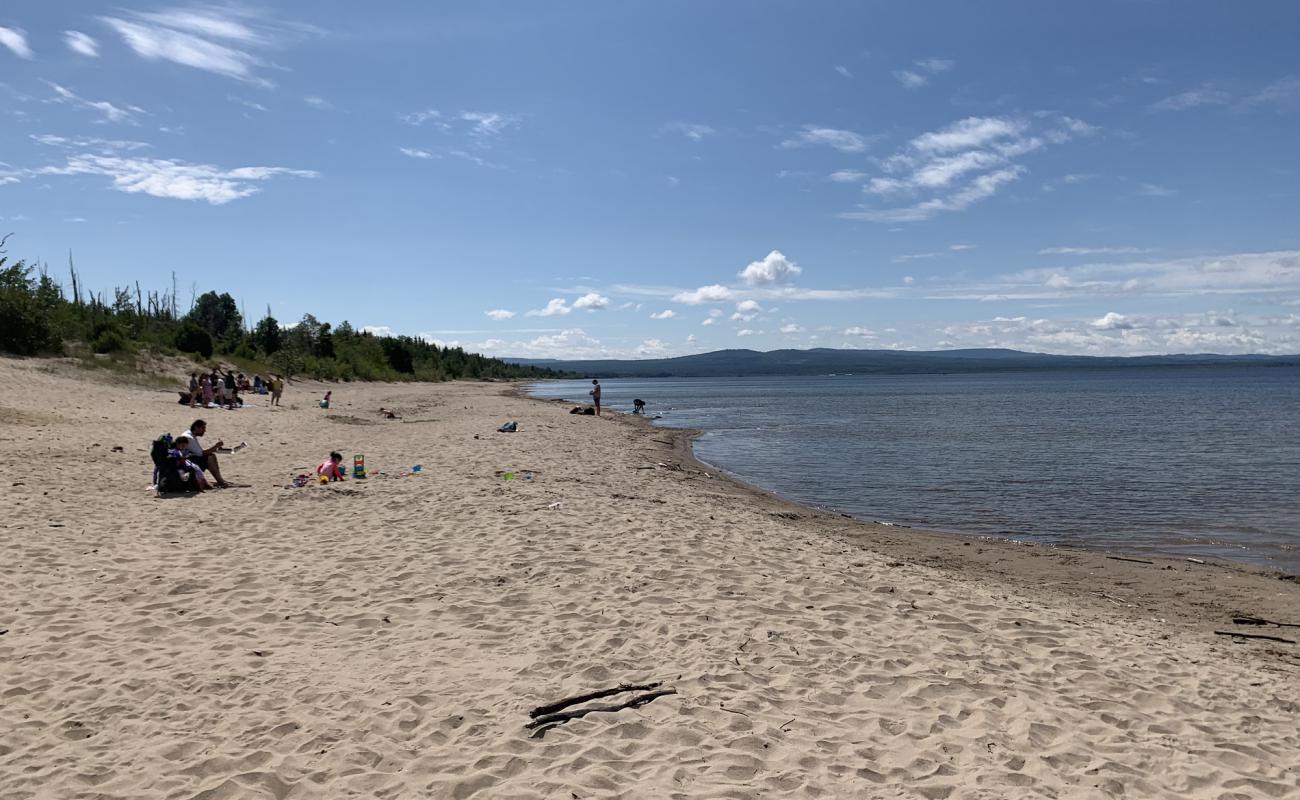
387 638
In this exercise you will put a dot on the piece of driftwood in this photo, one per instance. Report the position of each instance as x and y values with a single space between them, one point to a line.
1242 619
551 708
1254 636
1134 560
544 723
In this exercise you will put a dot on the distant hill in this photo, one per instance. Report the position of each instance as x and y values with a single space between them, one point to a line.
826 361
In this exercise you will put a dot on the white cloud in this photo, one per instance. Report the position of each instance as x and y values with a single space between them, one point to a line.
842 140
111 112
847 176
908 280
1284 93
774 268
792 328
709 321
555 308
694 131
652 347
960 247
217 39
488 123
1154 190
1204 96
747 332
415 152
739 317
865 333
499 313
936 65
690 339
968 160
420 117
16 40
318 102
1113 322
748 306
667 313
1090 251
174 179
83 142
903 259
79 42
373 330
843 70
247 103
591 301
969 133
714 293
910 79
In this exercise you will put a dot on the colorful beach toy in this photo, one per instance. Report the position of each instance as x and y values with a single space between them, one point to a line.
358 467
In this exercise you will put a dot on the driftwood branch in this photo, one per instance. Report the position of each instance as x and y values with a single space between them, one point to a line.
1134 560
551 708
1254 636
545 722
1242 619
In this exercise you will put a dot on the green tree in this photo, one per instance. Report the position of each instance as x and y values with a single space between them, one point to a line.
267 335
218 314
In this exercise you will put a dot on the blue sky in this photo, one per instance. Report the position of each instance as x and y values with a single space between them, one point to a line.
588 179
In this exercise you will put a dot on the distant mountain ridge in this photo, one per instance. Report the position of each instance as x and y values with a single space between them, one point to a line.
826 361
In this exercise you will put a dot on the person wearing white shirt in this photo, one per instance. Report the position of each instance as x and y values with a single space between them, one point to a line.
204 457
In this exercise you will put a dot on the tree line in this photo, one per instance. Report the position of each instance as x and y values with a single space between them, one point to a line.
40 316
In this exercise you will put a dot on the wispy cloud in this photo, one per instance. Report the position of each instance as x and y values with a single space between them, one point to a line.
499 314
843 70
110 112
966 162
1283 93
224 40
1206 95
1155 190
847 176
16 40
694 131
903 259
82 43
415 152
177 180
909 79
1091 251
842 140
488 124
918 77
247 103
318 102
88 143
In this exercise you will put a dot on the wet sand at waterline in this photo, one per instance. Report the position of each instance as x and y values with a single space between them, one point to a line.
388 637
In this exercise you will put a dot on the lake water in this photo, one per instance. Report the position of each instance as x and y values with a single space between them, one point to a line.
1174 461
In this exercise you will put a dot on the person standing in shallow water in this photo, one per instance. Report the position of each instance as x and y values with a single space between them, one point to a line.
595 395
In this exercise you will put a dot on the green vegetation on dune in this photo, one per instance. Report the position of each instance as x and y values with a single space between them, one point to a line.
39 317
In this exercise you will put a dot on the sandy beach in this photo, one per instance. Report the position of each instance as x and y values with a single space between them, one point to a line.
388 638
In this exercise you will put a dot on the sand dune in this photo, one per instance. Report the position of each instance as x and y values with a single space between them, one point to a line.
387 638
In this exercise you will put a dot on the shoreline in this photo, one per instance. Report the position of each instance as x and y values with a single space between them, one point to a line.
1199 594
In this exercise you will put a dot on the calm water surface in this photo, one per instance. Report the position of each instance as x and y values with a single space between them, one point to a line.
1191 461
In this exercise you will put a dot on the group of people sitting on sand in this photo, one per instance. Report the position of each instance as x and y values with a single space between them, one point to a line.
214 390
180 464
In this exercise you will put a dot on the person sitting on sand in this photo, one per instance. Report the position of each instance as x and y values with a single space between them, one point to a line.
332 468
595 394
204 457
180 456
258 386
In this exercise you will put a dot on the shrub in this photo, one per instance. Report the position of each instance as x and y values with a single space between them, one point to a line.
193 339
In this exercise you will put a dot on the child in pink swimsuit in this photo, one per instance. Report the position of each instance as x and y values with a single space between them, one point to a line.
332 469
